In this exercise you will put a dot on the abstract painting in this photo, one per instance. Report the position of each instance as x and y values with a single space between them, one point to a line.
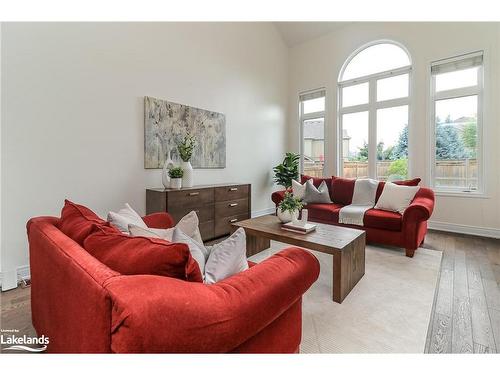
166 123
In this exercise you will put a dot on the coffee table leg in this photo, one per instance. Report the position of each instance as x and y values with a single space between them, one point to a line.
256 244
348 268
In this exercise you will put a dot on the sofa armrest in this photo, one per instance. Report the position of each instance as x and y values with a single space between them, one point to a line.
421 208
278 196
161 220
161 314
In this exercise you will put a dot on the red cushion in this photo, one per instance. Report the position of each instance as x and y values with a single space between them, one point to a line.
383 220
77 221
381 184
342 190
317 181
324 211
412 182
143 256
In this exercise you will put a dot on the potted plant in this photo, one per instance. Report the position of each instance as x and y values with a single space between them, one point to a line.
289 208
175 175
185 148
287 171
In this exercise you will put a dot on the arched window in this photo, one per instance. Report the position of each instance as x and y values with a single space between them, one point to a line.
374 100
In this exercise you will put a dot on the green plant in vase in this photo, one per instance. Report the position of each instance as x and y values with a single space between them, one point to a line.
185 148
289 208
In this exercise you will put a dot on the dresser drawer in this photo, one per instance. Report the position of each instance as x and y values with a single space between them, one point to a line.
230 208
223 224
207 230
190 198
204 212
226 193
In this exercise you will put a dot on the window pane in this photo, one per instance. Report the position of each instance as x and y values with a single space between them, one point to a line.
392 88
456 79
456 143
392 143
314 105
314 147
355 144
375 59
354 95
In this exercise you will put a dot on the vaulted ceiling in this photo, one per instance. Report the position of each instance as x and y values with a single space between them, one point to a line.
294 33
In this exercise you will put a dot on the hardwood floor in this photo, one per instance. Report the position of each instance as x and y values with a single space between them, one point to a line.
466 311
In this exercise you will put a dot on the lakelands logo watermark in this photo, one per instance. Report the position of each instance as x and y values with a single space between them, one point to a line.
20 343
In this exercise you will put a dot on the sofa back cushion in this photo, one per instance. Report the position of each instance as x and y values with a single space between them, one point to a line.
77 221
143 256
317 182
342 190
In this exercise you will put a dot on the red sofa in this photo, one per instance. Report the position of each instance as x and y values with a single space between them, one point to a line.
85 307
382 227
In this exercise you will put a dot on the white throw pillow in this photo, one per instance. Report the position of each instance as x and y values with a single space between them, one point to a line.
396 198
124 217
227 258
298 189
188 225
198 251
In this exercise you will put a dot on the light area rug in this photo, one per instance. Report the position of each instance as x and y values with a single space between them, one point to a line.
388 311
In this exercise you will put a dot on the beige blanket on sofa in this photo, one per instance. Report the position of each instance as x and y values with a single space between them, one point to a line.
365 190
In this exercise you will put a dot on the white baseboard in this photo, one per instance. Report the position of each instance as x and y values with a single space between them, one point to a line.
263 212
9 279
23 272
465 229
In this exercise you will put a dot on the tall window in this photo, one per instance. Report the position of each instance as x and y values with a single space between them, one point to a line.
457 87
312 131
374 99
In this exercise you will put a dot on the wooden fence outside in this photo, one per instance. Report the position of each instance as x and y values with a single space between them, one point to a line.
450 173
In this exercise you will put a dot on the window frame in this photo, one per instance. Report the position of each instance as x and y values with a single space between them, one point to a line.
372 106
454 94
310 116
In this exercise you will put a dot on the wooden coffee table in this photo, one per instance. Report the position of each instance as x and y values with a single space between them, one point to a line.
345 244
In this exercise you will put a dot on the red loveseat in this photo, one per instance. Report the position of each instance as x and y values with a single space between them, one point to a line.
382 227
83 306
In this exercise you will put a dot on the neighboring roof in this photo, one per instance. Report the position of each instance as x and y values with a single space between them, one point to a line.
464 119
459 121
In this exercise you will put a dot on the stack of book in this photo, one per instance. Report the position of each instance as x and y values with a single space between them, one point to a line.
299 227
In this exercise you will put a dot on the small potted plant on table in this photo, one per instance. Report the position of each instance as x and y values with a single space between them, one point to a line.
289 208
175 175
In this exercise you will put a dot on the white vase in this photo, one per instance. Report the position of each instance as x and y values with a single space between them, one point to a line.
287 216
175 183
187 177
165 179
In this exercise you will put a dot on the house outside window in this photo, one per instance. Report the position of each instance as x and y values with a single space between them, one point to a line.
312 131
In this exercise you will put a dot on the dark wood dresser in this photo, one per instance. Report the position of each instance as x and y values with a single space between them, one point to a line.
217 206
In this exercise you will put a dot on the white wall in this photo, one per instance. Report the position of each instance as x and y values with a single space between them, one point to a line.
317 63
72 111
